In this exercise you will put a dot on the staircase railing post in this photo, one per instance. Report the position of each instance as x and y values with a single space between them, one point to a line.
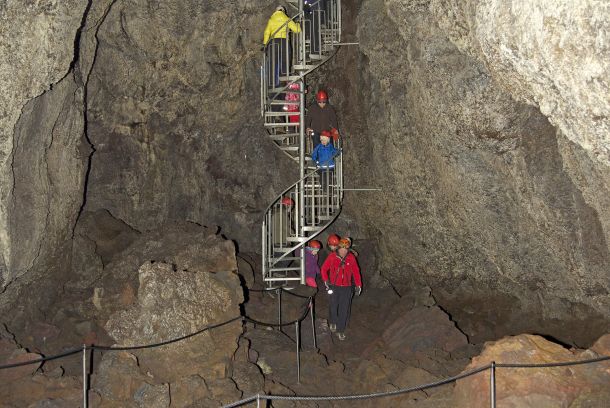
298 332
302 169
492 384
279 308
313 322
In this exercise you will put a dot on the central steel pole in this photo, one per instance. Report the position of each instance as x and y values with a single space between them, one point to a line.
303 62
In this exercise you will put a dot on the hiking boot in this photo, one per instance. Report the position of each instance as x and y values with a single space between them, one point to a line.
341 336
333 327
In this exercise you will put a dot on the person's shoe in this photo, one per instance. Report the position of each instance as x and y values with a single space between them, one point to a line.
341 336
333 327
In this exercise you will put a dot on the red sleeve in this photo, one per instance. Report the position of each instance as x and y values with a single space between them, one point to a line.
326 267
356 271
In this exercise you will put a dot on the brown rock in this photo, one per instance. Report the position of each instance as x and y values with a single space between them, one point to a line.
173 303
187 390
19 356
534 387
602 346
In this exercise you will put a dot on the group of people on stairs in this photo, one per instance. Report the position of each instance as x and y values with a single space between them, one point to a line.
340 274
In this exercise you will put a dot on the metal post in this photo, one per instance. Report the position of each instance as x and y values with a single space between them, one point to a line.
84 376
279 308
492 384
258 401
297 326
313 323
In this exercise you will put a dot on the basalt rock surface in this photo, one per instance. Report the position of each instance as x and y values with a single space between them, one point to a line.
500 209
572 386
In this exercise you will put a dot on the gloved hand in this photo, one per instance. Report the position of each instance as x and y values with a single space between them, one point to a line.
358 290
326 285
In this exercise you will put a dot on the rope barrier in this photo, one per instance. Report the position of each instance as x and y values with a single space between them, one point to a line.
359 396
163 343
303 316
547 365
279 288
154 345
42 360
410 389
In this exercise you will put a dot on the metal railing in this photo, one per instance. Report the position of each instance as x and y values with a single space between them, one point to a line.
300 45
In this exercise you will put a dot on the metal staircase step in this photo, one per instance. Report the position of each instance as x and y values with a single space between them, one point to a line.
313 229
287 258
304 67
283 90
282 249
290 268
282 136
271 279
290 148
290 78
297 239
283 113
281 124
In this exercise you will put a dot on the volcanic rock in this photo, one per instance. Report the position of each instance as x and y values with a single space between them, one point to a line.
569 386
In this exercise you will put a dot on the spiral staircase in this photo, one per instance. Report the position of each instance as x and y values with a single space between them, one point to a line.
317 195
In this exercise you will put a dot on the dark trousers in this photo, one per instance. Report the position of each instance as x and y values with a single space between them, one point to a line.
326 178
280 50
340 305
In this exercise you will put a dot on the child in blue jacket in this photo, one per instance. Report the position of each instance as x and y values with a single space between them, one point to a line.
323 157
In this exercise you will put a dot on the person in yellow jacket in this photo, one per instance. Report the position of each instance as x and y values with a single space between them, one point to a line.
276 31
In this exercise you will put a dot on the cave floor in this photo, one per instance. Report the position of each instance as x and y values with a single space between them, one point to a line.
355 365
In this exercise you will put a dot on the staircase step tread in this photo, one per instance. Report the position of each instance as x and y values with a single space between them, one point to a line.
290 268
281 124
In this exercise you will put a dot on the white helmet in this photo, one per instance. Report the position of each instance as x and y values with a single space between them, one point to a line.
280 8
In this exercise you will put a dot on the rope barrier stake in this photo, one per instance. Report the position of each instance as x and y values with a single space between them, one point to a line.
492 384
84 376
279 308
313 323
258 401
296 326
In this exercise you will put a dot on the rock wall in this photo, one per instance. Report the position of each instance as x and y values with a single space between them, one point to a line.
41 167
175 120
501 213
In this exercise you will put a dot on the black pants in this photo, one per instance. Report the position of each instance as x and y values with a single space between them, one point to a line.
340 305
281 58
326 178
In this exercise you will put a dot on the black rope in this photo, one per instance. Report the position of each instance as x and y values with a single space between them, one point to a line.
163 343
303 316
42 360
359 396
561 364
276 289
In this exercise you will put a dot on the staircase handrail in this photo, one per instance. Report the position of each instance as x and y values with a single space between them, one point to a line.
338 153
304 73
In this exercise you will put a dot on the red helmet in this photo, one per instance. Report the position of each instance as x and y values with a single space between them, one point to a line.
325 133
287 201
333 240
321 96
345 243
314 244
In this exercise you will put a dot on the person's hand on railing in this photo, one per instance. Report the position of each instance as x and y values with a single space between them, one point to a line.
358 290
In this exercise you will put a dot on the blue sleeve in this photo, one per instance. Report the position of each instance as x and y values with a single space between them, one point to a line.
314 155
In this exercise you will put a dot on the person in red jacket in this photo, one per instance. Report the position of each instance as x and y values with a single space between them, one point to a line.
344 274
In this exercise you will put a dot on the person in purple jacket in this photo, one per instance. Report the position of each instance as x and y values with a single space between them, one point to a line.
312 269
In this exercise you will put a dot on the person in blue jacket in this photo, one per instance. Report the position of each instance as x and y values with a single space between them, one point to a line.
323 156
